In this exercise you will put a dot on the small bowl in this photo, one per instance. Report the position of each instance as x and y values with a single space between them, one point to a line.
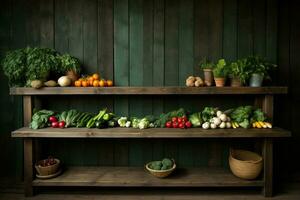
48 170
160 173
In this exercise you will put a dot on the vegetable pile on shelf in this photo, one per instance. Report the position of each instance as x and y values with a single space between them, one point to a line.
165 164
208 118
93 80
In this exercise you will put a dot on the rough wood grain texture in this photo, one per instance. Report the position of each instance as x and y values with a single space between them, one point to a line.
149 133
148 90
268 167
138 177
268 105
28 167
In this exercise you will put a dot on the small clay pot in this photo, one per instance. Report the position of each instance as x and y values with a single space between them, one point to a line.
220 82
71 74
256 80
236 82
208 77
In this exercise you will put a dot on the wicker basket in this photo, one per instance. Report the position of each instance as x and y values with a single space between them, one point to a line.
245 164
160 173
48 170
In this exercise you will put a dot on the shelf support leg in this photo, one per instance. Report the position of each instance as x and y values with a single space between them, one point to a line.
28 148
268 167
28 167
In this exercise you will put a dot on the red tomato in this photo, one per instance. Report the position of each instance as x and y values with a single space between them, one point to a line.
181 125
61 124
52 119
179 119
175 124
174 119
169 124
188 124
184 118
54 125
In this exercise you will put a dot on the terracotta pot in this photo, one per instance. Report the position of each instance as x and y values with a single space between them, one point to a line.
236 82
208 77
72 75
220 82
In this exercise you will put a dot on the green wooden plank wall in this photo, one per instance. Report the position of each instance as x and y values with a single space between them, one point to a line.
136 43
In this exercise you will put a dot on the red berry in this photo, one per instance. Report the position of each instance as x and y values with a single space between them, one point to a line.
180 120
54 125
184 118
61 124
181 125
169 124
175 124
188 124
52 119
174 119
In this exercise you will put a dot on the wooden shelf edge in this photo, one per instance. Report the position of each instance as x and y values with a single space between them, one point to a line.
138 177
148 90
149 133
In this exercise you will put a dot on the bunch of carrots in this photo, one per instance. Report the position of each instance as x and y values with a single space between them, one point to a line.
93 81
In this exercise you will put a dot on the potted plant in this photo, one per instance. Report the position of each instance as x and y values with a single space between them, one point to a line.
220 73
14 67
207 67
259 70
71 66
239 73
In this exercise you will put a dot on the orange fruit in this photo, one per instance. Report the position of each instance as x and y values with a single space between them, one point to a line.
85 83
95 83
109 83
96 76
102 83
77 83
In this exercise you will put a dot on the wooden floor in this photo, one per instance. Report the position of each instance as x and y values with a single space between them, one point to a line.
288 192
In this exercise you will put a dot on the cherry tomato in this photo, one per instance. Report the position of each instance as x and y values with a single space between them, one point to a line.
175 124
174 119
54 125
169 124
52 119
181 125
184 118
179 119
61 124
188 124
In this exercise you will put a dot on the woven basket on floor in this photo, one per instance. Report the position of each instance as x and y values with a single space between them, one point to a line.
160 173
245 164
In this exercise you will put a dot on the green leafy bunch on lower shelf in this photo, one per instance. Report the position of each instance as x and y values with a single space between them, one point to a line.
165 164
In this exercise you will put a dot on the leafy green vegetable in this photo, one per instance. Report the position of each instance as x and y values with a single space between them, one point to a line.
69 63
242 116
40 119
196 119
208 113
258 115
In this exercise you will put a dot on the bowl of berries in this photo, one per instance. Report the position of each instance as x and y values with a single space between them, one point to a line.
47 166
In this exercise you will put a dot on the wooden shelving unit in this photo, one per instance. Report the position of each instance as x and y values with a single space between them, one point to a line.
136 177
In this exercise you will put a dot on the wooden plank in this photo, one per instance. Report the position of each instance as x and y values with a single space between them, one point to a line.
150 133
271 30
47 25
186 40
148 90
259 28
138 177
268 105
268 167
28 167
201 33
27 110
61 26
106 38
245 34
230 30
32 23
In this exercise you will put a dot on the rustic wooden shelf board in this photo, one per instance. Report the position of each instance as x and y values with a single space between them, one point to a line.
150 133
146 90
138 177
